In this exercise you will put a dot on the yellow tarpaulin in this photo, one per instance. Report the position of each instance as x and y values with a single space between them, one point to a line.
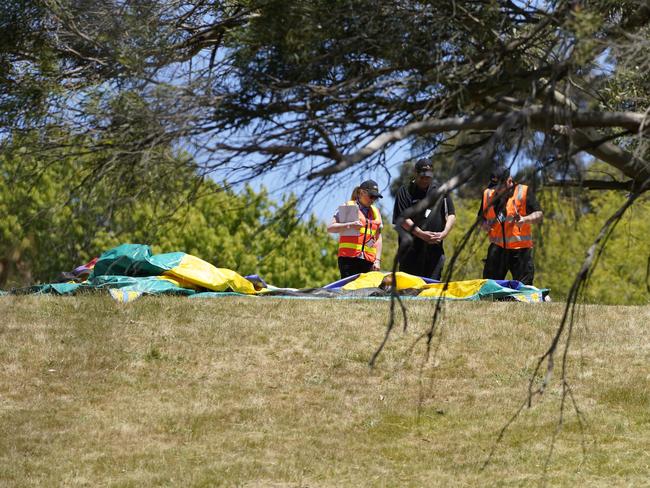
455 289
374 279
198 272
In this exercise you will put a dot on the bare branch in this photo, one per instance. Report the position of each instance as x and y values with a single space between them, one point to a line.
627 185
539 117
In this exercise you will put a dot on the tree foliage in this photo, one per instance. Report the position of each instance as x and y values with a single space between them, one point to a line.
316 87
44 232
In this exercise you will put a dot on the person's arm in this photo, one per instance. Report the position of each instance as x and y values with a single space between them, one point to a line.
534 213
450 219
531 218
402 202
409 225
335 227
376 266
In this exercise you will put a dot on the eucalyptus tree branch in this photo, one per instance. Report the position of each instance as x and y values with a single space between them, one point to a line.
627 185
539 117
567 320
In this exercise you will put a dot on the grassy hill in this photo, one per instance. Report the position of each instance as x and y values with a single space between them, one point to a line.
271 392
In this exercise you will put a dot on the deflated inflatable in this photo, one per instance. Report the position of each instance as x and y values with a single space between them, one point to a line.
131 270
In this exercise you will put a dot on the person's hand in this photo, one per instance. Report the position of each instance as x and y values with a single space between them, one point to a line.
438 237
519 220
430 237
376 266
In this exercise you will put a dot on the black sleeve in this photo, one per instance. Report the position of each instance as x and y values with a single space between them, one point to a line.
451 210
402 202
531 202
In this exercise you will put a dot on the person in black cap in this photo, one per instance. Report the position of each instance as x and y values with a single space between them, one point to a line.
426 255
507 210
359 226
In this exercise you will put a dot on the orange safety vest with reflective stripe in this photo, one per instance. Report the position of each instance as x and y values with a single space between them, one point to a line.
505 232
364 244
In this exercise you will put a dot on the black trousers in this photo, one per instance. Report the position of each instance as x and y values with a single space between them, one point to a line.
518 261
423 259
352 266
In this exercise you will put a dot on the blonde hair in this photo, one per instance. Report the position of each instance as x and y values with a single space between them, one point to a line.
355 193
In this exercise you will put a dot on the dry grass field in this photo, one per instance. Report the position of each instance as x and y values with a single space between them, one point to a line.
272 392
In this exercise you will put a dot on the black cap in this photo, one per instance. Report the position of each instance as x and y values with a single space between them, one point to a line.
371 187
499 175
423 167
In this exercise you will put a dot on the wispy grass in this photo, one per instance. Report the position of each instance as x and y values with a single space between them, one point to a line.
268 392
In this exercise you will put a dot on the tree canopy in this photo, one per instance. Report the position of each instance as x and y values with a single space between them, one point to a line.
317 87
45 231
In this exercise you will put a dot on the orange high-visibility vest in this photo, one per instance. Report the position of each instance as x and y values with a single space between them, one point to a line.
364 244
505 232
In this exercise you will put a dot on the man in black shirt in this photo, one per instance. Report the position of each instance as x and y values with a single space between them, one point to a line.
429 228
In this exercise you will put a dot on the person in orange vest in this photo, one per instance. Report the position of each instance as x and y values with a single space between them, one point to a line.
360 236
508 209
